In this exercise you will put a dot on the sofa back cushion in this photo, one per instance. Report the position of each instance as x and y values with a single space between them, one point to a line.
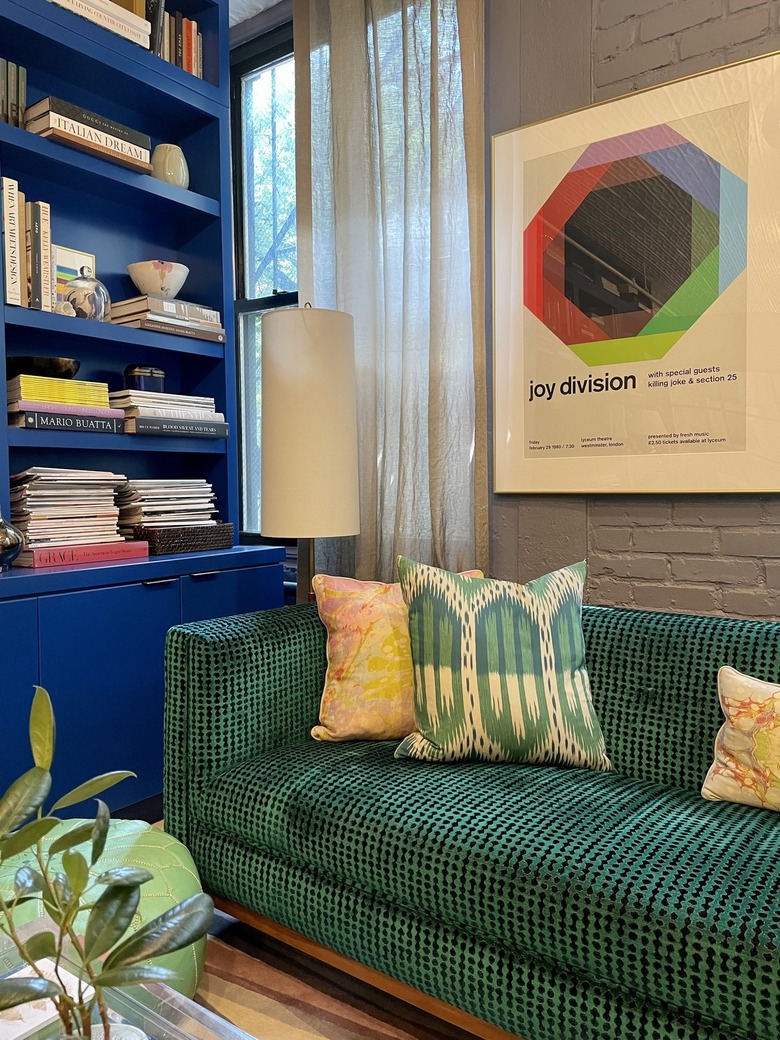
654 684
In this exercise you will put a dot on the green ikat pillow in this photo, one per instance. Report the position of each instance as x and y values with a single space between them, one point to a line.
499 669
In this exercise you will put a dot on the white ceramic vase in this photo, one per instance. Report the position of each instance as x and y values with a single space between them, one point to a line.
169 164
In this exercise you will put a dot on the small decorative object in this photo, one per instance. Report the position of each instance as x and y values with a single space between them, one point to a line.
11 544
87 933
158 277
169 164
33 365
88 296
63 307
145 377
67 264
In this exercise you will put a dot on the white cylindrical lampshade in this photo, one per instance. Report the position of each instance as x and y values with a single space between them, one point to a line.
309 478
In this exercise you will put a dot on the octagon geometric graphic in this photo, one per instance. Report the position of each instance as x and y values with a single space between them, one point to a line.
637 240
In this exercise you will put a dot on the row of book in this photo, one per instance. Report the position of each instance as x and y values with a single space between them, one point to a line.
13 92
181 43
162 314
84 406
71 516
27 249
78 127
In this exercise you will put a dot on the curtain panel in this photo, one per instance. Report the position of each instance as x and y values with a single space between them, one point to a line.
391 229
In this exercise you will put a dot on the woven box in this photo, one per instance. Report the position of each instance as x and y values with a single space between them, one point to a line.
185 539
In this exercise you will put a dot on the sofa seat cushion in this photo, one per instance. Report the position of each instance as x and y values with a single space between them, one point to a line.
642 886
648 888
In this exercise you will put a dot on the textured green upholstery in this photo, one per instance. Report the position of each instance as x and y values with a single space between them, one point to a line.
134 843
559 904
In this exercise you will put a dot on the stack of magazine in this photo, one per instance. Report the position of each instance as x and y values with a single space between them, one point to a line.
68 516
165 503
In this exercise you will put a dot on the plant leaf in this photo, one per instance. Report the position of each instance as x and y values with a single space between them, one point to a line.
61 887
100 831
42 730
23 798
109 919
40 945
125 876
136 973
75 836
27 836
21 991
177 927
75 866
28 881
90 788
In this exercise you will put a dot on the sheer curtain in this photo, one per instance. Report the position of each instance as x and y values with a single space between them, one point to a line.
393 165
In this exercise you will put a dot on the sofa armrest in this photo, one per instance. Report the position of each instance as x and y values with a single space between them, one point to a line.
234 688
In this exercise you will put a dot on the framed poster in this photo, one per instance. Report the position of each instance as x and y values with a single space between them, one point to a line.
636 274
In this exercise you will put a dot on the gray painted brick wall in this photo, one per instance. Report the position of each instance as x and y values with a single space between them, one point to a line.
717 554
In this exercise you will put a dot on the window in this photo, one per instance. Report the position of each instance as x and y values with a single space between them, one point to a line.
263 102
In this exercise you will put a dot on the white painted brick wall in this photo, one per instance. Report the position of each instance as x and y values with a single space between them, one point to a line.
717 554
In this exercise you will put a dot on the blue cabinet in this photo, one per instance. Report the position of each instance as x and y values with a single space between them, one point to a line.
211 594
18 676
102 663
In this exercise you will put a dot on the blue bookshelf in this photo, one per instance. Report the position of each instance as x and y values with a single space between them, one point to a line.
69 627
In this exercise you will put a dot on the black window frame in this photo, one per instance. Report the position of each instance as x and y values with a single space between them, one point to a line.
251 56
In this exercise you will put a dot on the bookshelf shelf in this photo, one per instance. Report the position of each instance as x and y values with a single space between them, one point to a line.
75 622
103 332
77 170
32 439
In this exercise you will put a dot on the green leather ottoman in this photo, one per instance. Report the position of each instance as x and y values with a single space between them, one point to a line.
135 843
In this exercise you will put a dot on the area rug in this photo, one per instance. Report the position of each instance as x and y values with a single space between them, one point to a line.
275 993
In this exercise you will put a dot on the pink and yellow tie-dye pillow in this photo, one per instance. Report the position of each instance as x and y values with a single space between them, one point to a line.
747 748
369 685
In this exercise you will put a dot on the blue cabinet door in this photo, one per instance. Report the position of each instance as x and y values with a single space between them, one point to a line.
213 594
102 663
18 676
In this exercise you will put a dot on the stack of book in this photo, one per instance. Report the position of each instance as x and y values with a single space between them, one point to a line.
27 248
146 411
80 128
13 92
165 503
52 403
162 314
68 516
118 19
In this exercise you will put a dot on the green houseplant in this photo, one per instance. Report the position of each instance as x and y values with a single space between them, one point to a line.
88 917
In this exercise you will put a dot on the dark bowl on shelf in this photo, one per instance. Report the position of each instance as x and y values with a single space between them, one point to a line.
64 367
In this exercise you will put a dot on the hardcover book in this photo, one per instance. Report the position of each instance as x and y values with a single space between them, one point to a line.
61 407
87 9
176 427
24 269
3 90
46 292
194 331
70 423
90 552
87 142
155 10
50 105
13 94
11 244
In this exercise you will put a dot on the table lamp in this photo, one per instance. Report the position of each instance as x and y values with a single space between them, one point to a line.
308 444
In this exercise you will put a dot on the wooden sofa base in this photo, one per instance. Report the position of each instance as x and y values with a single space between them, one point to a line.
399 990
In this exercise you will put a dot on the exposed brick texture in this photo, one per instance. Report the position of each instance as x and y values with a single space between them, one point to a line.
640 43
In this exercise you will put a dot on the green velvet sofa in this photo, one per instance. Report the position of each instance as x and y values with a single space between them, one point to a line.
551 903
